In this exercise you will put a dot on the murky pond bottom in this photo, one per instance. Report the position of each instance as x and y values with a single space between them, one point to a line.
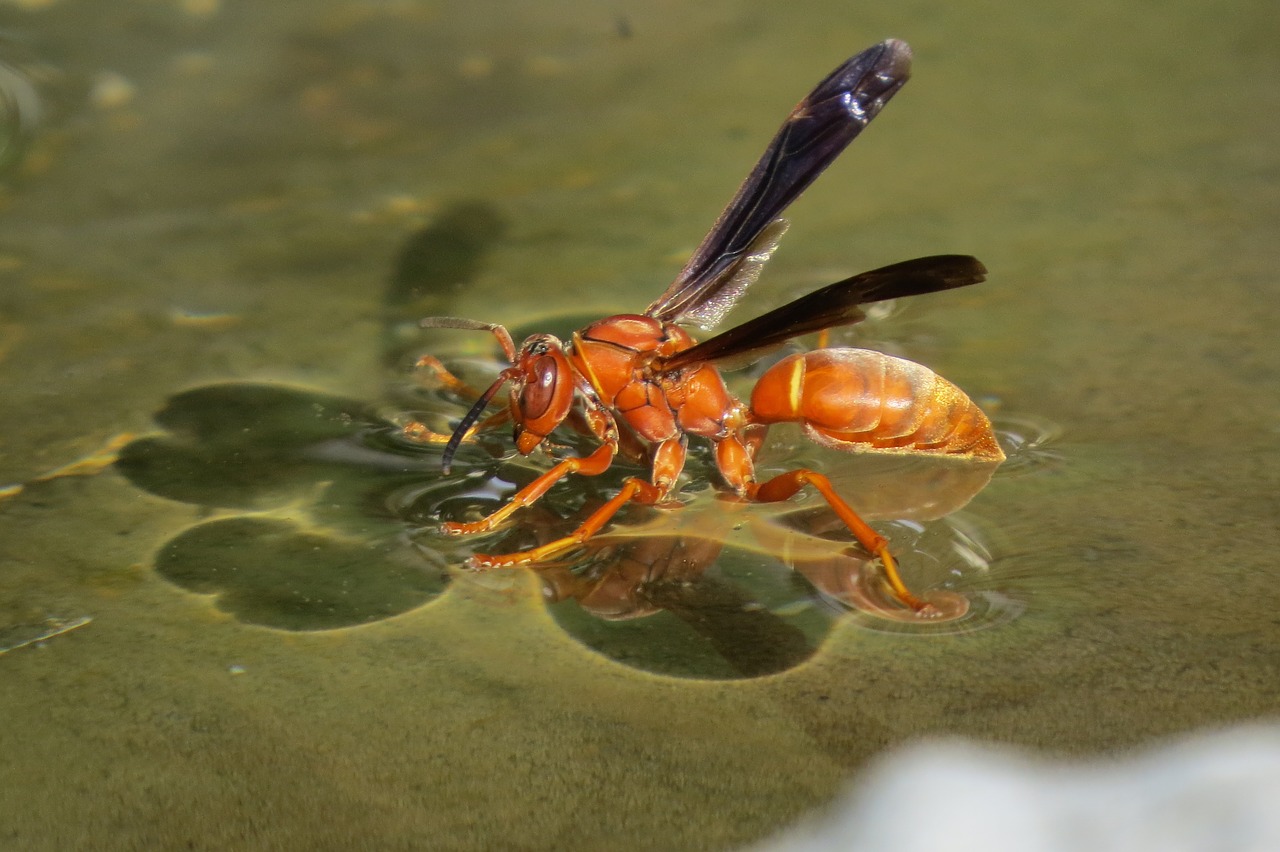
279 631
228 617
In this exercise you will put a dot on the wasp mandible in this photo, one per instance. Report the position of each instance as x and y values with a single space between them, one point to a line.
641 385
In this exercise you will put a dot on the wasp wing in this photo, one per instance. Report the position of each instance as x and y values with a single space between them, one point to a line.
815 133
834 305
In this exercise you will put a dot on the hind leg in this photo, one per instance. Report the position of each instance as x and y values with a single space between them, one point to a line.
785 485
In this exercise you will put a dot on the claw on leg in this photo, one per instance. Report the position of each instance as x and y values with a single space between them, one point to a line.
785 485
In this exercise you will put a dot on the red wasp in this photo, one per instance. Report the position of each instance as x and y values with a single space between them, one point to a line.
641 385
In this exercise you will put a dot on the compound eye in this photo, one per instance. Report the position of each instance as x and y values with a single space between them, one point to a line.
539 389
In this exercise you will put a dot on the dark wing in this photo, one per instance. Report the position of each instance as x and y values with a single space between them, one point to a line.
833 305
815 133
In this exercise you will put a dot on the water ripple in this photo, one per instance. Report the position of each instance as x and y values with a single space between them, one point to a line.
20 111
1028 442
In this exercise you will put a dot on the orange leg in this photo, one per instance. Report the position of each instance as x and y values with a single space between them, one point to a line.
785 485
415 431
668 459
446 378
592 465
633 489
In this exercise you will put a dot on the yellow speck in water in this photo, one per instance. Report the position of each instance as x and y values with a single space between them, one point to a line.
201 8
497 145
395 207
404 205
112 91
190 319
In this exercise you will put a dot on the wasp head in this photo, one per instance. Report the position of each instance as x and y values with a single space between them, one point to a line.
541 390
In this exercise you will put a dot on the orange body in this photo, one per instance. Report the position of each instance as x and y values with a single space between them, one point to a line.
863 399
614 355
846 399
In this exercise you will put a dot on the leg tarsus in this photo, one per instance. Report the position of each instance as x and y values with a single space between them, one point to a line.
785 485
420 433
894 579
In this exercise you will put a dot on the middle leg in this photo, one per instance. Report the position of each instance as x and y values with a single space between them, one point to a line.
668 460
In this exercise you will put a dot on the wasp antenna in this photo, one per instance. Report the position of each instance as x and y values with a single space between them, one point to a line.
469 420
504 337
455 322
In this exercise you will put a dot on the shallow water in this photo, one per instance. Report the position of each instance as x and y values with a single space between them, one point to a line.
216 220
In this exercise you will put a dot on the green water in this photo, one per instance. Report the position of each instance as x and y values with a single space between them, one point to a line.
283 655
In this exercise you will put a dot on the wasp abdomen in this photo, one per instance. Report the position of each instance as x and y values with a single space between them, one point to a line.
859 399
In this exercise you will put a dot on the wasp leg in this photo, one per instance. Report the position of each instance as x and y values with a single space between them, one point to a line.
632 490
419 433
668 460
592 465
785 485
451 382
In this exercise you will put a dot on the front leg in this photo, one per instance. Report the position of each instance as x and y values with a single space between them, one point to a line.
592 465
420 433
668 460
446 378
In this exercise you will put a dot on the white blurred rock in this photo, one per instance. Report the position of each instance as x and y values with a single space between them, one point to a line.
1213 793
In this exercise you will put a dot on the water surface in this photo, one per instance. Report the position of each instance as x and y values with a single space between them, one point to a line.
203 194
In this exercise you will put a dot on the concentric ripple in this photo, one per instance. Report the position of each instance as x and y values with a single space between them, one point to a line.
1028 444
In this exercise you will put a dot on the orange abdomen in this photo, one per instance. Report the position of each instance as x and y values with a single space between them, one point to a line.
859 399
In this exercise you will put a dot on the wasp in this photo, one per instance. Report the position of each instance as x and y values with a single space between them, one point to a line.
642 386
